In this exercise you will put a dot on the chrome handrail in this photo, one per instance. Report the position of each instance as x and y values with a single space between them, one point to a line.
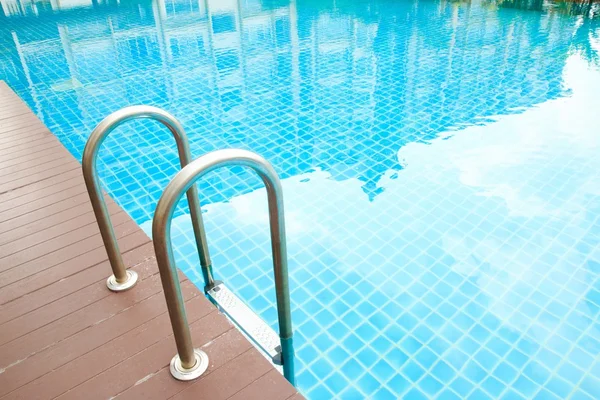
190 363
123 279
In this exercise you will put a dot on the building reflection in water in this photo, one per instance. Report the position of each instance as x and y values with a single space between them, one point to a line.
340 86
352 102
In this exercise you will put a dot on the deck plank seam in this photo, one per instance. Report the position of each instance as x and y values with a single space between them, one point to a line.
91 236
81 271
193 296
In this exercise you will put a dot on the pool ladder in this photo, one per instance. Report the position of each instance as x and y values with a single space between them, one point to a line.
190 363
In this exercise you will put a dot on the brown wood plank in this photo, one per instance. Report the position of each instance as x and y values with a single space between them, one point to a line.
246 368
35 214
61 288
47 186
12 210
20 144
35 159
33 246
26 133
88 260
32 148
34 166
269 386
106 356
26 335
14 106
54 225
148 364
15 184
86 340
62 332
36 169
70 252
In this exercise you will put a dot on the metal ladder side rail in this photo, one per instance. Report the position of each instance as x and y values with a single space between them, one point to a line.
190 363
123 279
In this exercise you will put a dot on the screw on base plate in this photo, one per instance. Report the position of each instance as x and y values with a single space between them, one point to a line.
184 374
115 286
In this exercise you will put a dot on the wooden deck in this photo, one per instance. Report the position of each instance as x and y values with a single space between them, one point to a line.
62 333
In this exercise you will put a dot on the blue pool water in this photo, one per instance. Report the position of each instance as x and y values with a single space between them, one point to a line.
440 164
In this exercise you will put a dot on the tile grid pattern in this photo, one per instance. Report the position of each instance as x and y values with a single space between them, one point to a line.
383 307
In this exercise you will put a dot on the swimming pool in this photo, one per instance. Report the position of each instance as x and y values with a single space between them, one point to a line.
439 163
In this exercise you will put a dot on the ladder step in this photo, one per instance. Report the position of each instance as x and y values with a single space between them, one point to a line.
247 320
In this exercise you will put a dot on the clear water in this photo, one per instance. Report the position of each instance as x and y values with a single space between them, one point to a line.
440 162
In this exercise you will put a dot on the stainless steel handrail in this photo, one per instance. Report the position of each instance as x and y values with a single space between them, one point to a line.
123 279
190 363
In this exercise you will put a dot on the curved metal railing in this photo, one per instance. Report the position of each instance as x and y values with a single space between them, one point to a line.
123 279
190 363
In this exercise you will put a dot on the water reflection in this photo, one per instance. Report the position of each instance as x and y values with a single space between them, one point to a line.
343 85
439 162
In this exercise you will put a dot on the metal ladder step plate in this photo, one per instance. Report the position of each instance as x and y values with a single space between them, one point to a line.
247 320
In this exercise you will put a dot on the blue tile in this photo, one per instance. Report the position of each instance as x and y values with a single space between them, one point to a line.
307 380
580 395
412 371
525 387
352 393
324 318
505 373
443 372
320 392
368 384
456 358
430 385
425 357
516 358
498 346
367 357
337 330
398 384
511 394
486 359
381 345
448 395
336 383
323 342
353 343
407 321
451 333
474 372
415 394
461 386
438 345
352 369
493 387
545 395
478 394
321 368
394 333
352 319
366 332
307 353
397 358
536 372
410 345
383 394
382 371
591 385
338 355
379 321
